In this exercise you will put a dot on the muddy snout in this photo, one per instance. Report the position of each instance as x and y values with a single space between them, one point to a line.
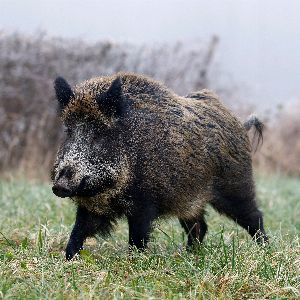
65 186
62 190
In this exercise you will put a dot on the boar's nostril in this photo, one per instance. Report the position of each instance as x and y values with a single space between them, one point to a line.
66 172
61 191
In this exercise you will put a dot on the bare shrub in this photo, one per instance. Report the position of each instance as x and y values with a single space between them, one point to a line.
281 149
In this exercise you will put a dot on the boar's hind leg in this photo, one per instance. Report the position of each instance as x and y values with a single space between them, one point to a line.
195 230
87 224
242 209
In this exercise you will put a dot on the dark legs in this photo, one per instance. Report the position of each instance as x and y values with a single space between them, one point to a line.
140 227
195 230
253 223
87 224
237 203
243 209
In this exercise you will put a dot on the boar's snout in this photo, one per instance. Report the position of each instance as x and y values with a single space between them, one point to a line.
63 186
61 190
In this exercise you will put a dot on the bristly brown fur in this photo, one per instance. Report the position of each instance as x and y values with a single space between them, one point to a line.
183 138
178 154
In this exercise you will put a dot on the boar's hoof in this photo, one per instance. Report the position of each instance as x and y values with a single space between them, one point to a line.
72 250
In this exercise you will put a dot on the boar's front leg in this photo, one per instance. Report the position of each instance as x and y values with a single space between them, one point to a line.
139 224
87 224
195 229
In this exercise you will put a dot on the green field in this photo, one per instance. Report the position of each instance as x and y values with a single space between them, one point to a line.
35 225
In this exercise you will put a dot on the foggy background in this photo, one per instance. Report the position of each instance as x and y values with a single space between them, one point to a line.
247 51
259 46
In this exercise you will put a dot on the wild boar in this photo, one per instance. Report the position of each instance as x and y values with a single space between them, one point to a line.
134 148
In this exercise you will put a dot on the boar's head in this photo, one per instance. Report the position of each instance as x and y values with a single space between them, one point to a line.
92 158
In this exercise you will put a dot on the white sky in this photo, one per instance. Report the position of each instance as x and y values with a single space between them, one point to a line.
259 46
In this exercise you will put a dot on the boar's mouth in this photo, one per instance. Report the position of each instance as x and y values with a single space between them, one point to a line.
62 191
84 189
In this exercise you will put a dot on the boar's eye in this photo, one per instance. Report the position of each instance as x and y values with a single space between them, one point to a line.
68 131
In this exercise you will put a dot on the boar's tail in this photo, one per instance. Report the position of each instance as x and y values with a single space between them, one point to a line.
258 125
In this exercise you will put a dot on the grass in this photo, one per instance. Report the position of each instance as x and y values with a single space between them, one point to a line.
34 228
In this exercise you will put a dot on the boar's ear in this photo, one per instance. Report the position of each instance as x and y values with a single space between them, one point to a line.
63 92
111 102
